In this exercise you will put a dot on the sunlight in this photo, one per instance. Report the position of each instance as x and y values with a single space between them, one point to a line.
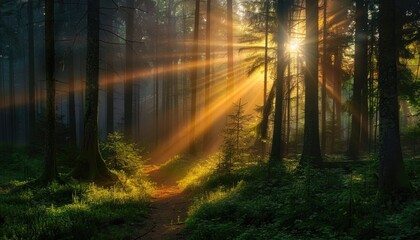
294 45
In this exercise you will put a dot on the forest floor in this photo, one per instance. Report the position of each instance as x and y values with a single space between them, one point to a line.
169 208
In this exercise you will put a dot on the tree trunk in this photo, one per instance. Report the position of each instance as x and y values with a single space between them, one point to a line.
230 76
91 166
311 148
110 97
50 168
72 104
392 176
282 11
324 80
360 81
128 83
31 62
12 107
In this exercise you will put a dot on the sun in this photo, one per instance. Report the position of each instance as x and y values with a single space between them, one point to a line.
294 45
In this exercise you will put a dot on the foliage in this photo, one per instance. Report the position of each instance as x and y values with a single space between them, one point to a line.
283 203
72 210
236 138
121 155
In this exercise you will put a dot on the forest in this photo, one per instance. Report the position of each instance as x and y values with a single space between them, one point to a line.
209 119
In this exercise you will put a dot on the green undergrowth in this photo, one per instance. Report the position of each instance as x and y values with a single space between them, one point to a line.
256 202
69 211
72 209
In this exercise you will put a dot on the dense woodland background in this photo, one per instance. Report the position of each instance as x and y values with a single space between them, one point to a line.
99 91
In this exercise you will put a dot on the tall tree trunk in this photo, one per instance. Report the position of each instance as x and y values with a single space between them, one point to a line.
311 148
128 83
193 78
337 90
324 80
72 102
360 79
110 97
50 168
31 62
392 176
207 136
230 76
91 166
282 11
12 107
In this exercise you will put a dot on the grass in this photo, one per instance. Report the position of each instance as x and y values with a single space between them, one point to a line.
72 210
255 202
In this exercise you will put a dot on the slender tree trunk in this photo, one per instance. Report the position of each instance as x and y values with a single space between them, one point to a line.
50 168
110 97
12 107
282 11
230 76
324 79
392 176
360 81
128 83
208 56
193 78
311 147
91 166
72 103
337 90
31 62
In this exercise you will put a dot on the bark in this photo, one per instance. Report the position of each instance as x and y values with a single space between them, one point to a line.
324 79
31 62
128 83
392 176
91 166
229 20
50 168
12 107
193 78
360 82
311 147
282 11
72 103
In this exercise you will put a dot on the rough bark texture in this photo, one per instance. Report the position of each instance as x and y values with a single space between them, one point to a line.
311 148
91 166
50 168
282 16
360 81
392 176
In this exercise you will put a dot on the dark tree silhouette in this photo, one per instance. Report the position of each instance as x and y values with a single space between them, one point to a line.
90 165
50 168
392 176
282 10
311 148
360 80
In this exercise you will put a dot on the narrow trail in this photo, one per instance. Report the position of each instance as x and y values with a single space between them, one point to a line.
169 209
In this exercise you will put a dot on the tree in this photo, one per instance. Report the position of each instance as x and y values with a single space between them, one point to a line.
282 11
128 83
360 81
90 165
31 67
229 20
392 176
193 77
311 148
50 167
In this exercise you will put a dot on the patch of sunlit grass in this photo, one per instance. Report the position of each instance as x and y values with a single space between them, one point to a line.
199 172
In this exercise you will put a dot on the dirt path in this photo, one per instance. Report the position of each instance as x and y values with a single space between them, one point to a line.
169 209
